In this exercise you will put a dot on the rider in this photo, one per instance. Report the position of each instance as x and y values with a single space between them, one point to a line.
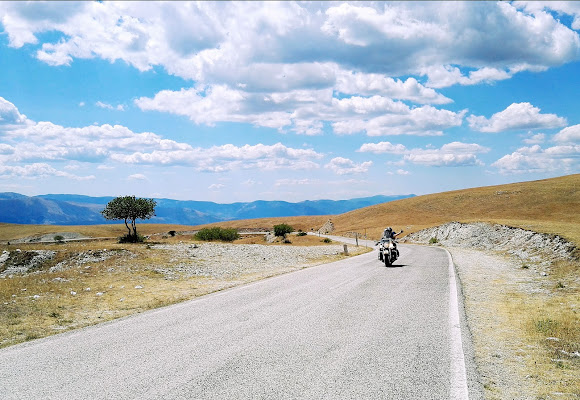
390 234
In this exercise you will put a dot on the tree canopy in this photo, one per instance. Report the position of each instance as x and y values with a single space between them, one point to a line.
129 208
282 230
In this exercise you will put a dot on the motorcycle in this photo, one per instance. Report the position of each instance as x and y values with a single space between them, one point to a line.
388 251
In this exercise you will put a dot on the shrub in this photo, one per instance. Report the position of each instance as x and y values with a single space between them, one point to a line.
130 238
433 240
59 239
172 233
217 233
282 229
300 233
327 240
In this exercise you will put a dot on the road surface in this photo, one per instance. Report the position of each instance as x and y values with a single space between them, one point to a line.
352 329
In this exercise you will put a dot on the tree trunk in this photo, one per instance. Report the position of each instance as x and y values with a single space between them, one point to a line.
127 225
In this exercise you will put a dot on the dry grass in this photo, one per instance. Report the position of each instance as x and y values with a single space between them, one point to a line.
15 231
43 303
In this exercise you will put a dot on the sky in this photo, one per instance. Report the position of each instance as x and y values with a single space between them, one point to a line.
244 101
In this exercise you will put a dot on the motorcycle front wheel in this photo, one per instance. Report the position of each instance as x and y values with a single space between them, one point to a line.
387 258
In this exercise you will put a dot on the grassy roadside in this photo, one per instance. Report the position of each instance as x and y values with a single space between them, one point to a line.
104 280
525 324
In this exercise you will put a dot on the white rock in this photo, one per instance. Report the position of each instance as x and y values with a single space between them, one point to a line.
138 287
87 289
73 292
100 294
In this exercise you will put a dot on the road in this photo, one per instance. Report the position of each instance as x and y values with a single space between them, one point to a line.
352 329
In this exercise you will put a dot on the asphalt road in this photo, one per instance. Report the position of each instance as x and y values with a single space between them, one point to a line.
352 329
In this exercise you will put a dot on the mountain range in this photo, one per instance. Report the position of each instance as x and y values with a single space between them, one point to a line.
70 209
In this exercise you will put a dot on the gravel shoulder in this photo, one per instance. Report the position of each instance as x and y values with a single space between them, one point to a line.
513 294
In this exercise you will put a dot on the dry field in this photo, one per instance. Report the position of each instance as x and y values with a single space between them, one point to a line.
102 280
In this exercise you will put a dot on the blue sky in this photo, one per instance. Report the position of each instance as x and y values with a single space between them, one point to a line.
242 101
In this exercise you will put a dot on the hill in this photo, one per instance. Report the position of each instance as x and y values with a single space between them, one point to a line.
548 206
67 209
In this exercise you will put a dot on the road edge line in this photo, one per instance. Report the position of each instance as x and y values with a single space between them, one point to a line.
459 389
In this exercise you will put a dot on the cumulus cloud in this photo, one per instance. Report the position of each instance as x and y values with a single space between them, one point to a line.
349 82
454 154
451 154
535 159
282 65
45 141
345 166
37 171
382 148
303 111
570 134
420 121
9 115
538 138
514 117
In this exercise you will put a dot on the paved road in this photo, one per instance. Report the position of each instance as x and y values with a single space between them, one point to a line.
353 329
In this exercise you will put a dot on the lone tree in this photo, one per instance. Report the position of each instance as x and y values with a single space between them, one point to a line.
129 208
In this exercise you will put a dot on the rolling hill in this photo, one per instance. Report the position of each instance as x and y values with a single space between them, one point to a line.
548 206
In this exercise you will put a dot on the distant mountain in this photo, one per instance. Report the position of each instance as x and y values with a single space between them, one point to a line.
70 209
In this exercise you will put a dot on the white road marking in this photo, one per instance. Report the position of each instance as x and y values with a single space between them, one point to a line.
459 389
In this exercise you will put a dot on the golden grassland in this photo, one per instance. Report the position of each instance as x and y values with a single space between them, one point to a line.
548 206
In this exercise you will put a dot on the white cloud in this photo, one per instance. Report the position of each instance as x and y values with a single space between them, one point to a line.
296 182
382 147
9 115
228 157
37 171
516 117
420 121
450 155
108 106
216 186
116 143
349 82
454 154
137 177
345 166
571 8
538 138
441 76
570 134
280 65
535 159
